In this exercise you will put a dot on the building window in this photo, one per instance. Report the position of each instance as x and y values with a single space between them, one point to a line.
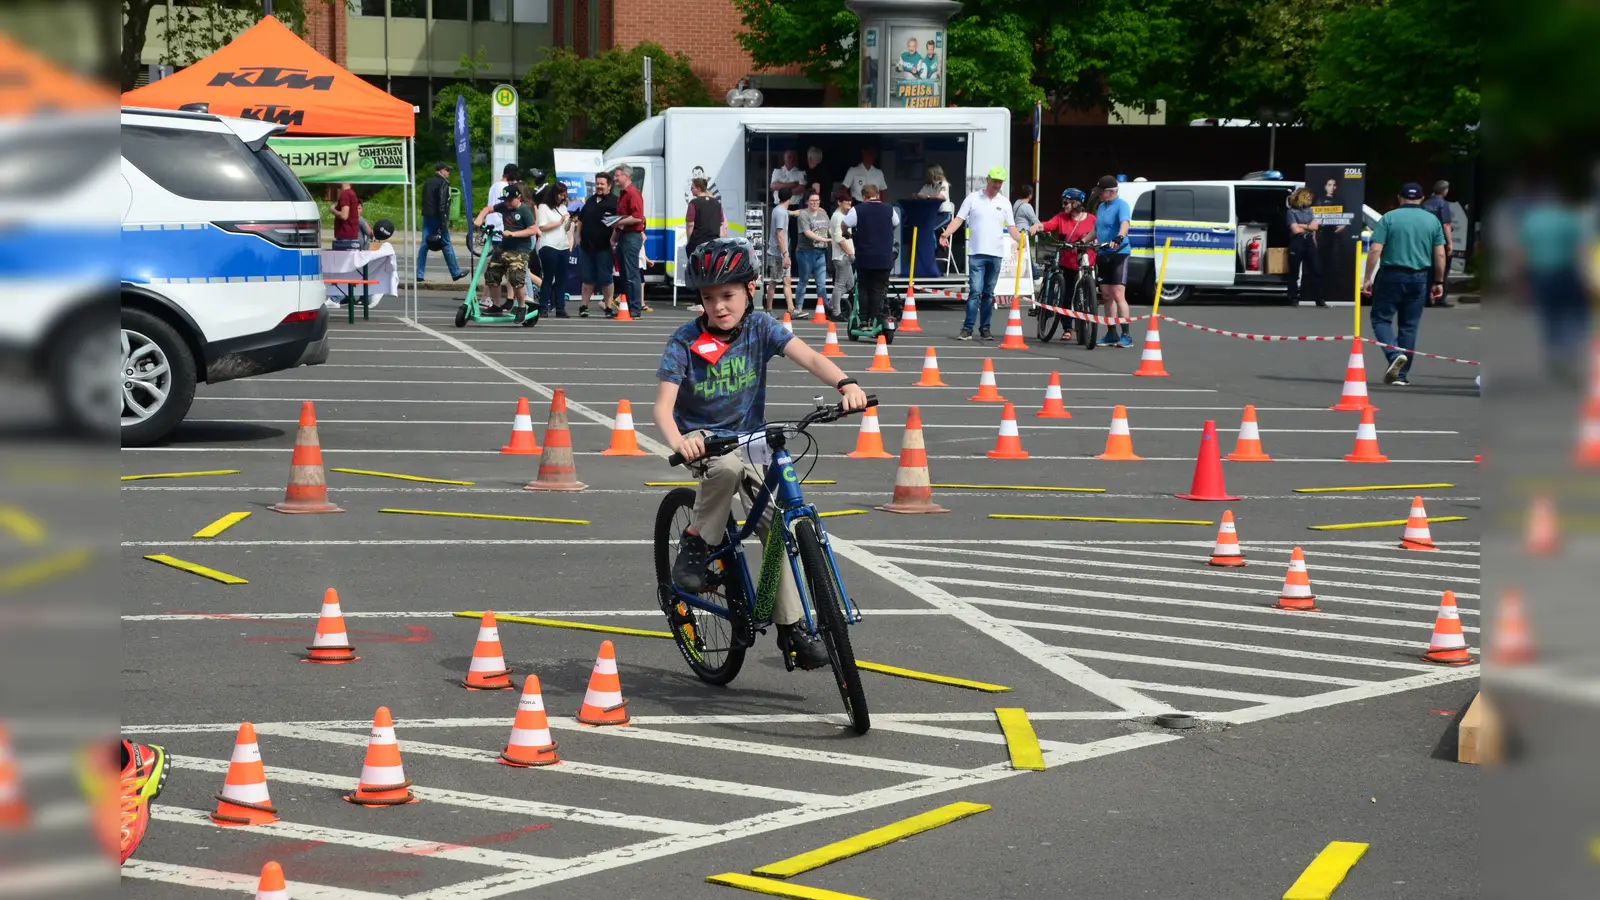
408 9
489 10
530 11
375 8
450 9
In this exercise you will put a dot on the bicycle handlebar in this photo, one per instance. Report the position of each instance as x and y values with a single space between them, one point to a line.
718 446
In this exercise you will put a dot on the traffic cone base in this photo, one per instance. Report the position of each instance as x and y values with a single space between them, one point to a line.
1119 442
308 481
988 392
913 490
244 799
1448 645
624 440
530 743
1208 481
383 779
869 442
557 468
1053 407
523 442
1009 443
1248 446
331 644
603 703
930 371
488 670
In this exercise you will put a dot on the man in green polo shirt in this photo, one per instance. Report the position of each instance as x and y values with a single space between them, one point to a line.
1407 248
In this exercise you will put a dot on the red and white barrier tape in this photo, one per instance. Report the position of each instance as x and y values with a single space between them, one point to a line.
1465 362
1103 320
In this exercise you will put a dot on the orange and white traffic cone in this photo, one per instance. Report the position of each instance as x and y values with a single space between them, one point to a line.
623 314
1053 407
880 357
988 391
821 315
331 644
1448 645
557 469
308 483
788 323
1150 363
244 799
830 344
1417 536
523 442
530 743
14 812
272 886
1354 396
1248 447
488 670
1296 595
603 703
624 440
913 489
1119 442
1366 449
930 371
1013 336
869 442
1588 452
383 779
1510 643
1227 552
1008 445
1542 534
908 317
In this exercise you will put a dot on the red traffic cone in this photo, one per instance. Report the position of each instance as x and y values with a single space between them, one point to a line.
1207 483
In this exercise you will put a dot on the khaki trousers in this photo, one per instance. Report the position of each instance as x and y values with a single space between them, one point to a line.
721 478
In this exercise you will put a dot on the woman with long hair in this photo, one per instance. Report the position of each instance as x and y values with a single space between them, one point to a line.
554 222
1305 263
936 186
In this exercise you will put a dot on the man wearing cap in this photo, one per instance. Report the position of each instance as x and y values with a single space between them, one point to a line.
1111 220
988 214
436 221
1439 205
1404 268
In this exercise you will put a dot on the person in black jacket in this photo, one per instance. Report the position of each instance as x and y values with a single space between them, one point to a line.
436 221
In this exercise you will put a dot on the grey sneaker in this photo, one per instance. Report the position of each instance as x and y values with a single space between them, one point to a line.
1400 382
986 335
1392 376
965 335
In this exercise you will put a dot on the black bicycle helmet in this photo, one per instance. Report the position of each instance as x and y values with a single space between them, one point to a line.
383 229
721 261
1072 194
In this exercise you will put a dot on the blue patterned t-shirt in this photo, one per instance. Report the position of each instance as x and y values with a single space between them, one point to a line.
730 396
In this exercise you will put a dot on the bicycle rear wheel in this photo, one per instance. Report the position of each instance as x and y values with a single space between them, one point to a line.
1048 320
823 590
708 641
1087 330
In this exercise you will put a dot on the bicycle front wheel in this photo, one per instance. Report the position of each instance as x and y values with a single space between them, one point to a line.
1048 320
1088 331
823 589
706 639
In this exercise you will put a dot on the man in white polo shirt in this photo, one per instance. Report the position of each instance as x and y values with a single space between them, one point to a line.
988 214
859 176
787 177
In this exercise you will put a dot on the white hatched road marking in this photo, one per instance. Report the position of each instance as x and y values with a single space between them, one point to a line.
731 719
1189 690
196 877
1219 668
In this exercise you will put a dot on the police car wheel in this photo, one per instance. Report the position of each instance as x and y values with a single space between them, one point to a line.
85 401
1176 293
157 377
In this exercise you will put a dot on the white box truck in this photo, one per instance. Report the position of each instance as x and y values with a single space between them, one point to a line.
737 149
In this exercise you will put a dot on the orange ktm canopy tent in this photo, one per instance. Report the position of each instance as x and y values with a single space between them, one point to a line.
31 84
269 73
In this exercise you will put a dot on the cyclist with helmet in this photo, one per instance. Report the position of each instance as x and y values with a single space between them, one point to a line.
1073 223
713 382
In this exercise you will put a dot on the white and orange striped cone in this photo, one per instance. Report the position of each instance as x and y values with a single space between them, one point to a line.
244 799
1297 596
558 471
913 489
788 323
1227 552
331 644
623 314
272 886
603 703
1588 451
1448 645
1150 363
308 482
988 391
1119 442
1353 398
523 442
1248 447
880 357
1417 536
488 670
1510 644
869 442
14 812
1013 336
530 743
383 779
930 371
1542 534
1053 407
830 344
1008 444
1366 449
821 315
908 317
624 440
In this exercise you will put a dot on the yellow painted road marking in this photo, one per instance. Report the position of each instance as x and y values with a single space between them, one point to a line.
196 569
1371 487
1594 849
1322 877
180 474
31 573
871 840
1021 740
403 477
898 672
22 525
1387 523
221 525
777 888
842 512
1104 519
576 626
697 484
462 515
1019 487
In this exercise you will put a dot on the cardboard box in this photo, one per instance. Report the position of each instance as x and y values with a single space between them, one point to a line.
1277 260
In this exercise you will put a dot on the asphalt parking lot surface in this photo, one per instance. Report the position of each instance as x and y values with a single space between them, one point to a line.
1313 727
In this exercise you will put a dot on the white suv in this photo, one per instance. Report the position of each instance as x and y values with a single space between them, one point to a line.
220 271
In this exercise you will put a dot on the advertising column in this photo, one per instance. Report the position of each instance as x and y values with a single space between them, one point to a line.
902 45
1338 193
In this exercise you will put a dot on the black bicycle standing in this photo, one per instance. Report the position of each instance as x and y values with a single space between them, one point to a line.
1082 296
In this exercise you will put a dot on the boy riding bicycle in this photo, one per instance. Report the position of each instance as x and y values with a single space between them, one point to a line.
713 381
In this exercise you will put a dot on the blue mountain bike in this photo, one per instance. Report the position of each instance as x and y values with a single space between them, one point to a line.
713 629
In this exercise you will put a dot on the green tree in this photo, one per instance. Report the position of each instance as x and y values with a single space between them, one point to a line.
817 35
198 28
602 97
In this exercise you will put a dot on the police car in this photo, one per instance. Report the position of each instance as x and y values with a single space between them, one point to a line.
220 267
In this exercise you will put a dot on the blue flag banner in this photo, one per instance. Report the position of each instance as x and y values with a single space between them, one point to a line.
464 158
